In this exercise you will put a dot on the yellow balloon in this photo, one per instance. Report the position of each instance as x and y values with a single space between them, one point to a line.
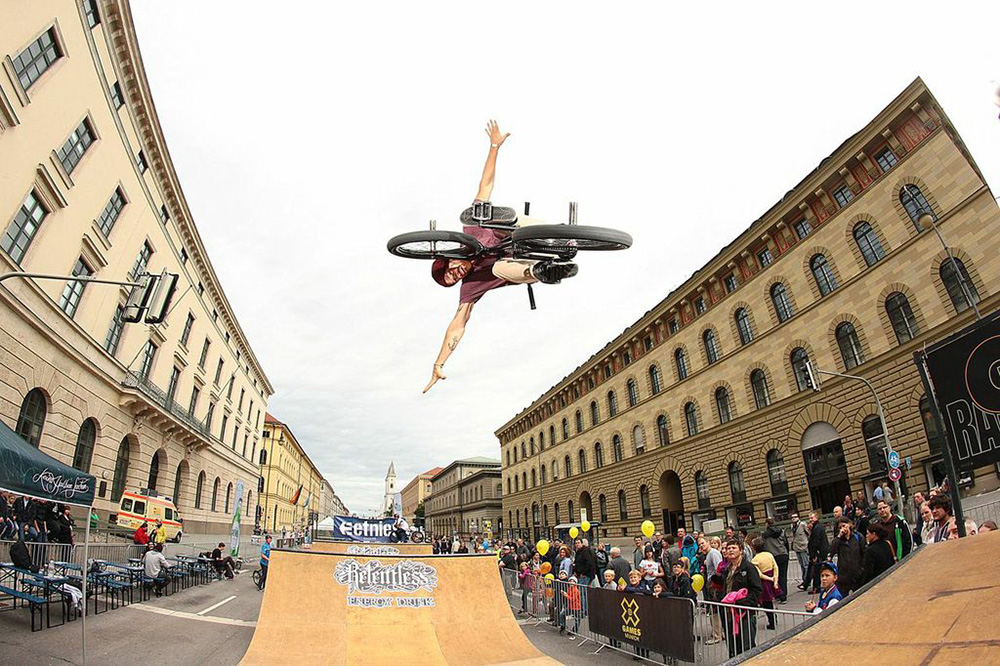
573 532
549 577
648 528
697 582
621 581
585 526
542 547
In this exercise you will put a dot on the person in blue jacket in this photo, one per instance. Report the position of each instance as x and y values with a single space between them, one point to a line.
829 595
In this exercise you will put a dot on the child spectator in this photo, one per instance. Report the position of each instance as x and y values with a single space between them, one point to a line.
572 605
829 594
637 584
651 569
609 580
527 580
680 581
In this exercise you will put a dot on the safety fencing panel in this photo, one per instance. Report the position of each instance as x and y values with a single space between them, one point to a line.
722 631
41 553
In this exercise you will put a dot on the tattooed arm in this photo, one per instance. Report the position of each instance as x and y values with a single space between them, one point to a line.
456 329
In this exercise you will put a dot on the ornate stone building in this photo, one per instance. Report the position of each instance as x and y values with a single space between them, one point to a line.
701 408
465 498
416 491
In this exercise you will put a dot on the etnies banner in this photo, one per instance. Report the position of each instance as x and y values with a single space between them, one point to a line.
965 371
369 530
663 625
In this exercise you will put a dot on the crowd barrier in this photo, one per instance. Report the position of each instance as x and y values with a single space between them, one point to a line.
41 553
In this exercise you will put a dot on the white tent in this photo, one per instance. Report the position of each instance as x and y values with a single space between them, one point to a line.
325 525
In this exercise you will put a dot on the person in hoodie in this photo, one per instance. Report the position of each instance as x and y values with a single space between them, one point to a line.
680 582
688 544
849 550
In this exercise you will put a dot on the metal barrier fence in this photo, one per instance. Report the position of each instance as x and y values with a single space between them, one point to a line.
984 512
721 631
41 553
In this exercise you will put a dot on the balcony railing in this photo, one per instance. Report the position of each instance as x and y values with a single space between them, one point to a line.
138 381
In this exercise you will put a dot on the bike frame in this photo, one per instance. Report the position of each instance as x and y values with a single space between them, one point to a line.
508 248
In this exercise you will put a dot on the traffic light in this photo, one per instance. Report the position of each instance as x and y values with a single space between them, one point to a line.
812 377
135 306
149 300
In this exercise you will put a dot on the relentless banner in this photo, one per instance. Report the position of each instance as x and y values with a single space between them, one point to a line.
965 370
368 530
663 625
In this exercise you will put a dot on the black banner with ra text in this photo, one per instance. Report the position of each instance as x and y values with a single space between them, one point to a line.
965 371
664 625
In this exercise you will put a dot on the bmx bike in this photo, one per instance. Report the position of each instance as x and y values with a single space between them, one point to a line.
414 536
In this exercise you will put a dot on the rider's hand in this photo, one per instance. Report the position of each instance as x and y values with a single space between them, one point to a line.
436 374
496 136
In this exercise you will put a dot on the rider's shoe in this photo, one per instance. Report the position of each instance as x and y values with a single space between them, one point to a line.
553 272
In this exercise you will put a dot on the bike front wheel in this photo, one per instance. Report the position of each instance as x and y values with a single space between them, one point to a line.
256 577
417 537
556 237
434 245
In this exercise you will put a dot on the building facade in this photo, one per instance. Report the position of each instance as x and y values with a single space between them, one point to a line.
465 498
290 486
702 408
330 503
416 491
88 189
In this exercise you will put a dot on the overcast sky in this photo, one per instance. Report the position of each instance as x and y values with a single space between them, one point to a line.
307 134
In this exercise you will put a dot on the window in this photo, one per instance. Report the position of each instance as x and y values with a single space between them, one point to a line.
243 392
655 382
736 482
211 413
722 404
886 159
555 471
711 346
534 479
73 291
186 333
843 196
638 439
602 503
31 418
141 261
699 305
201 289
958 284
758 383
612 404
569 509
90 10
672 326
148 354
647 343
568 466
23 227
552 436
800 359
140 162
662 433
598 455
680 360
582 456
691 419
914 203
117 98
204 353
121 470
193 404
114 335
850 346
184 257
565 429
616 448
871 430
935 441
106 222
84 451
868 243
802 228
627 357
743 326
215 494
164 215
555 509
175 376
607 371
647 511
594 416
904 324
590 382
75 146
31 63
633 393
622 506
579 421
825 279
765 258
782 304
701 490
776 472
218 372
232 381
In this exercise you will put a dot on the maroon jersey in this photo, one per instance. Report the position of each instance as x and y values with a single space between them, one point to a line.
480 278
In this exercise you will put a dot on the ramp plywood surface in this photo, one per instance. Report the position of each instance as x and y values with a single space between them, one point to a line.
305 617
350 546
939 607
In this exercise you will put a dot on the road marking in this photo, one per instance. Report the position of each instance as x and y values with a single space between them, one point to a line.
193 616
213 607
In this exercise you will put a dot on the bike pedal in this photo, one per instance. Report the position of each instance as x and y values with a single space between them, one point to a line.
482 211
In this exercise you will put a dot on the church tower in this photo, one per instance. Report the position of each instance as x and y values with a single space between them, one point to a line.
390 490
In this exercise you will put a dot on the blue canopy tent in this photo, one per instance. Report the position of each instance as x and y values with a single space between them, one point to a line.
25 470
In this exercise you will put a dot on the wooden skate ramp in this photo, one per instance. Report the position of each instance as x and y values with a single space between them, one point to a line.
939 607
356 546
334 608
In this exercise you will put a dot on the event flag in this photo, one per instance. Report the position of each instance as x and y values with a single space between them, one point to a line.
298 493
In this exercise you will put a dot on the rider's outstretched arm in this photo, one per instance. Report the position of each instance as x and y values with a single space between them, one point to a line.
456 329
490 168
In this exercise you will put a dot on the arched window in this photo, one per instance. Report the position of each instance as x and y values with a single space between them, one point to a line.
823 274
531 445
904 324
711 347
612 404
515 454
543 475
154 471
701 490
622 506
215 495
691 419
568 466
633 393
782 304
555 512
602 503
935 441
229 495
598 455
959 294
871 430
508 457
121 470
198 490
569 508
517 483
800 359
662 433
545 515
524 450
534 478
758 383
552 435
655 381
850 346
565 429
178 480
743 326
524 480
647 510
582 456
616 448
680 361
776 472
594 416
868 243
722 404
555 470
508 485
914 203
32 417
85 439
579 421
263 456
736 482
638 440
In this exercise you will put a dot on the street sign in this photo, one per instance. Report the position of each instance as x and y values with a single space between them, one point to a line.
895 474
909 462
894 459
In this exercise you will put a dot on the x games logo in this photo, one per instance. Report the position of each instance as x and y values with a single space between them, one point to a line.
630 612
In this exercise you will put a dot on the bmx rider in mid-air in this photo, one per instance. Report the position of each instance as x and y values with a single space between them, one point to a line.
483 274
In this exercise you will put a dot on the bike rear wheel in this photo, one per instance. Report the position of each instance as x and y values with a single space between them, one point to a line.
434 245
555 237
